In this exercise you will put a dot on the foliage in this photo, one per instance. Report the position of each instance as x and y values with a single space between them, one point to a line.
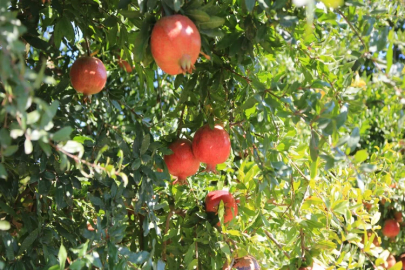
311 96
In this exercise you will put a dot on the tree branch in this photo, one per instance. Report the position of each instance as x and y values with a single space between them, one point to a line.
271 237
355 30
169 216
79 160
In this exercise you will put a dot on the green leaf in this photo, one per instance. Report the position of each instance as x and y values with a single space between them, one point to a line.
177 5
123 3
198 15
139 257
63 28
130 13
4 225
368 168
28 146
341 207
45 147
33 117
10 150
354 139
28 241
3 172
189 254
360 156
5 138
62 134
264 4
313 146
250 4
8 242
214 22
73 147
145 144
390 52
62 256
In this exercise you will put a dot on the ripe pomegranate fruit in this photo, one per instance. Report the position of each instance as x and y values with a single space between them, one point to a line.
182 162
175 44
244 263
213 200
124 65
88 75
390 262
211 146
391 228
398 217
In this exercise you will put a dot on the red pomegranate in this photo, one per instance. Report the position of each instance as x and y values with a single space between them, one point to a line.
182 162
398 217
124 65
175 44
391 228
88 75
211 146
245 263
213 200
390 262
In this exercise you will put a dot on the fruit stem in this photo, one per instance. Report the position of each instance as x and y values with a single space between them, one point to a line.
185 63
181 181
211 168
87 46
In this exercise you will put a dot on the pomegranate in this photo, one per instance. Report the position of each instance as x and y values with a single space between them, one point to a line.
213 200
88 75
175 44
390 262
398 217
124 65
391 228
182 162
244 263
211 146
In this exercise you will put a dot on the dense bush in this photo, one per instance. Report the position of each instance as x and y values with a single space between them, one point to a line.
310 92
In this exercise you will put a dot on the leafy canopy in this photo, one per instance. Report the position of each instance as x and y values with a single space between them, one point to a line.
311 93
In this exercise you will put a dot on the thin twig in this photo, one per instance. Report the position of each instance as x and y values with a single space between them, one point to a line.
271 237
181 121
87 46
239 75
239 123
169 216
298 169
355 30
79 160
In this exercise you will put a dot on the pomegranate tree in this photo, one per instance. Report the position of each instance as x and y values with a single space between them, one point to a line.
391 228
175 44
182 162
211 146
213 200
88 75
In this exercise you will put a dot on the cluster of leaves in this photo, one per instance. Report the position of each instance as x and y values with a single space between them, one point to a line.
311 97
